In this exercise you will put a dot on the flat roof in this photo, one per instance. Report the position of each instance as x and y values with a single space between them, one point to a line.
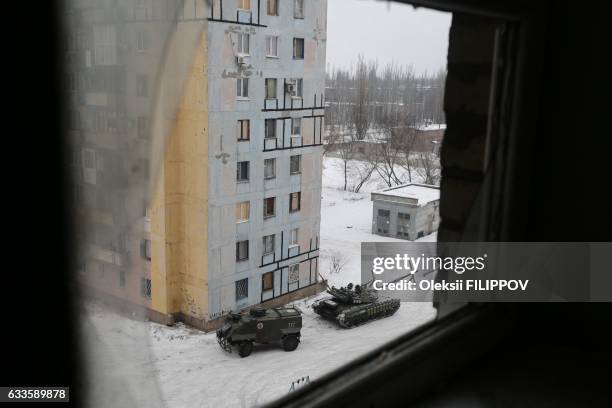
424 193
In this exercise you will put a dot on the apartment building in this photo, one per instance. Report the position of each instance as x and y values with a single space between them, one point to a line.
219 118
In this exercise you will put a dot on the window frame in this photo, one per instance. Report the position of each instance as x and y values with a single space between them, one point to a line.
242 244
267 127
239 169
298 9
275 8
241 40
240 210
293 127
273 176
269 43
266 200
294 238
241 136
263 244
241 3
267 88
242 88
296 41
264 287
242 283
297 194
299 165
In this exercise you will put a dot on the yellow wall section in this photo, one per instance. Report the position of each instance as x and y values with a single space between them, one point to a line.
179 209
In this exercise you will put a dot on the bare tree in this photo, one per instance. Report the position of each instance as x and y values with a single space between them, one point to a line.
428 167
361 115
337 261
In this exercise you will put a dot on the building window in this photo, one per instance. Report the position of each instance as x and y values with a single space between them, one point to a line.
294 273
272 46
142 41
145 288
269 207
270 125
269 169
296 127
273 7
242 289
298 91
420 234
294 201
89 159
242 171
403 225
298 9
145 249
142 126
242 211
242 250
295 164
293 237
267 280
242 87
270 88
122 278
244 129
268 244
298 48
382 223
142 85
243 44
244 4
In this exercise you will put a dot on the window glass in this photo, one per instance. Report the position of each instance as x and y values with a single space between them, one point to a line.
270 128
298 9
242 289
269 207
273 7
242 171
295 164
294 202
242 250
242 211
269 168
267 280
271 88
298 48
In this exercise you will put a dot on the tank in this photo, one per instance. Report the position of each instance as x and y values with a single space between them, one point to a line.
264 326
354 305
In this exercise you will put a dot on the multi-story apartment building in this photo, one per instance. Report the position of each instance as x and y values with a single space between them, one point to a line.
223 101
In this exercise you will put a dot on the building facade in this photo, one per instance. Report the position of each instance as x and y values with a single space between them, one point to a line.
409 211
214 170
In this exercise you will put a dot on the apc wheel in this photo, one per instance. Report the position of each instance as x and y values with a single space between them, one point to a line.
290 342
245 348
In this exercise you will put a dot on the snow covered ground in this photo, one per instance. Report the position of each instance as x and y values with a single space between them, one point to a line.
182 367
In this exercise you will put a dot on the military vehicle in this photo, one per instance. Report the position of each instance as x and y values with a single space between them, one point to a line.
265 326
351 306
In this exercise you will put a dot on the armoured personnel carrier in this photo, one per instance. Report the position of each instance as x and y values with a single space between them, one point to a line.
354 305
264 326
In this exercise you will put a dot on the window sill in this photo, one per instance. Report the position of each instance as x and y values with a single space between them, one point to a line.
244 140
241 221
243 98
242 181
269 178
273 56
267 217
297 173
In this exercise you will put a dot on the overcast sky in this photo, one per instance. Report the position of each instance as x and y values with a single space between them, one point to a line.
387 32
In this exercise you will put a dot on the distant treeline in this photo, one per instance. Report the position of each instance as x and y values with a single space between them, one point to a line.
369 96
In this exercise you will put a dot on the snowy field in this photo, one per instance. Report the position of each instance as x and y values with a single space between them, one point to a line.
183 367
346 221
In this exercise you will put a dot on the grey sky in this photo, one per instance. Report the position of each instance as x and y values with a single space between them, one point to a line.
386 31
